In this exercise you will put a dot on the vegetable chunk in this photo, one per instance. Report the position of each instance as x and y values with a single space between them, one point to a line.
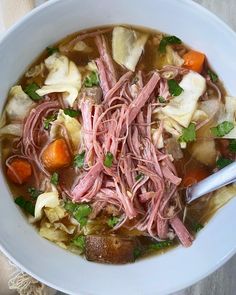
56 155
19 171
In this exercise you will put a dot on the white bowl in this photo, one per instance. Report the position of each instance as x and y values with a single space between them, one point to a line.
62 270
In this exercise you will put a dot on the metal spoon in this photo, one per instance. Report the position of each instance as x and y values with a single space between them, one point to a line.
221 178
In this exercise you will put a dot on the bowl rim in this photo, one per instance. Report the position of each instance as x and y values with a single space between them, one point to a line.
187 283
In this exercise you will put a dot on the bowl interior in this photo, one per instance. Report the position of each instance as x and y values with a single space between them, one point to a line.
158 274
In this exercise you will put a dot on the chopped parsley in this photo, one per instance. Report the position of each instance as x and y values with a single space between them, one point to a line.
72 113
174 88
139 176
31 91
168 40
108 160
232 145
222 129
52 50
223 162
34 193
91 80
161 99
160 245
79 211
79 160
189 133
213 76
79 242
28 206
137 253
112 221
55 178
48 121
197 227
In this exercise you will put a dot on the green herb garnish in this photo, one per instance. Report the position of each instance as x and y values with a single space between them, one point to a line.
81 213
34 193
223 162
91 80
108 160
232 145
137 253
112 221
28 206
31 91
139 176
160 245
48 121
55 178
161 99
213 76
69 206
188 134
79 160
72 113
197 227
52 50
222 129
79 242
168 40
174 88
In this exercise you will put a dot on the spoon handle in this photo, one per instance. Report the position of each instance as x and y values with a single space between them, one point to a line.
221 178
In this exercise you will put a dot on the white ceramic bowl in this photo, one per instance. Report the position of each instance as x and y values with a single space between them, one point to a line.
62 270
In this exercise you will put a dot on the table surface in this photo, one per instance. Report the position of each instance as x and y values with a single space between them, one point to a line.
221 282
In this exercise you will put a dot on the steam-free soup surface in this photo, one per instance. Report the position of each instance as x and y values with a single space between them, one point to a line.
104 132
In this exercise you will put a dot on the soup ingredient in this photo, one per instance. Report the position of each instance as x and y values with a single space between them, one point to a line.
19 104
181 231
55 178
79 160
160 245
232 145
194 60
79 211
223 162
182 107
47 200
71 112
79 242
91 80
48 121
195 175
28 206
199 148
213 76
72 126
52 50
56 155
189 134
174 88
63 76
19 171
168 40
82 46
108 159
222 129
112 221
31 91
34 193
12 129
110 249
127 46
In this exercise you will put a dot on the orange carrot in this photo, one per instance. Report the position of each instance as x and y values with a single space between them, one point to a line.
194 176
194 60
19 171
56 155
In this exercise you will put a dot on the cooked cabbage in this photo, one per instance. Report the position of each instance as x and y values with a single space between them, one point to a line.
36 71
72 126
49 200
170 57
229 115
19 104
63 76
127 46
82 46
55 214
181 108
12 129
48 231
204 151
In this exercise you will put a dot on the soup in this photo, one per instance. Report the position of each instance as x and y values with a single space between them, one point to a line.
103 134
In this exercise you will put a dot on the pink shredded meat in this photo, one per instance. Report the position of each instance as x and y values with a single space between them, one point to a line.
142 181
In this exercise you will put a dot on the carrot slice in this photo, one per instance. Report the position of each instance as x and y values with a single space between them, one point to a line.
194 60
19 171
56 155
194 176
